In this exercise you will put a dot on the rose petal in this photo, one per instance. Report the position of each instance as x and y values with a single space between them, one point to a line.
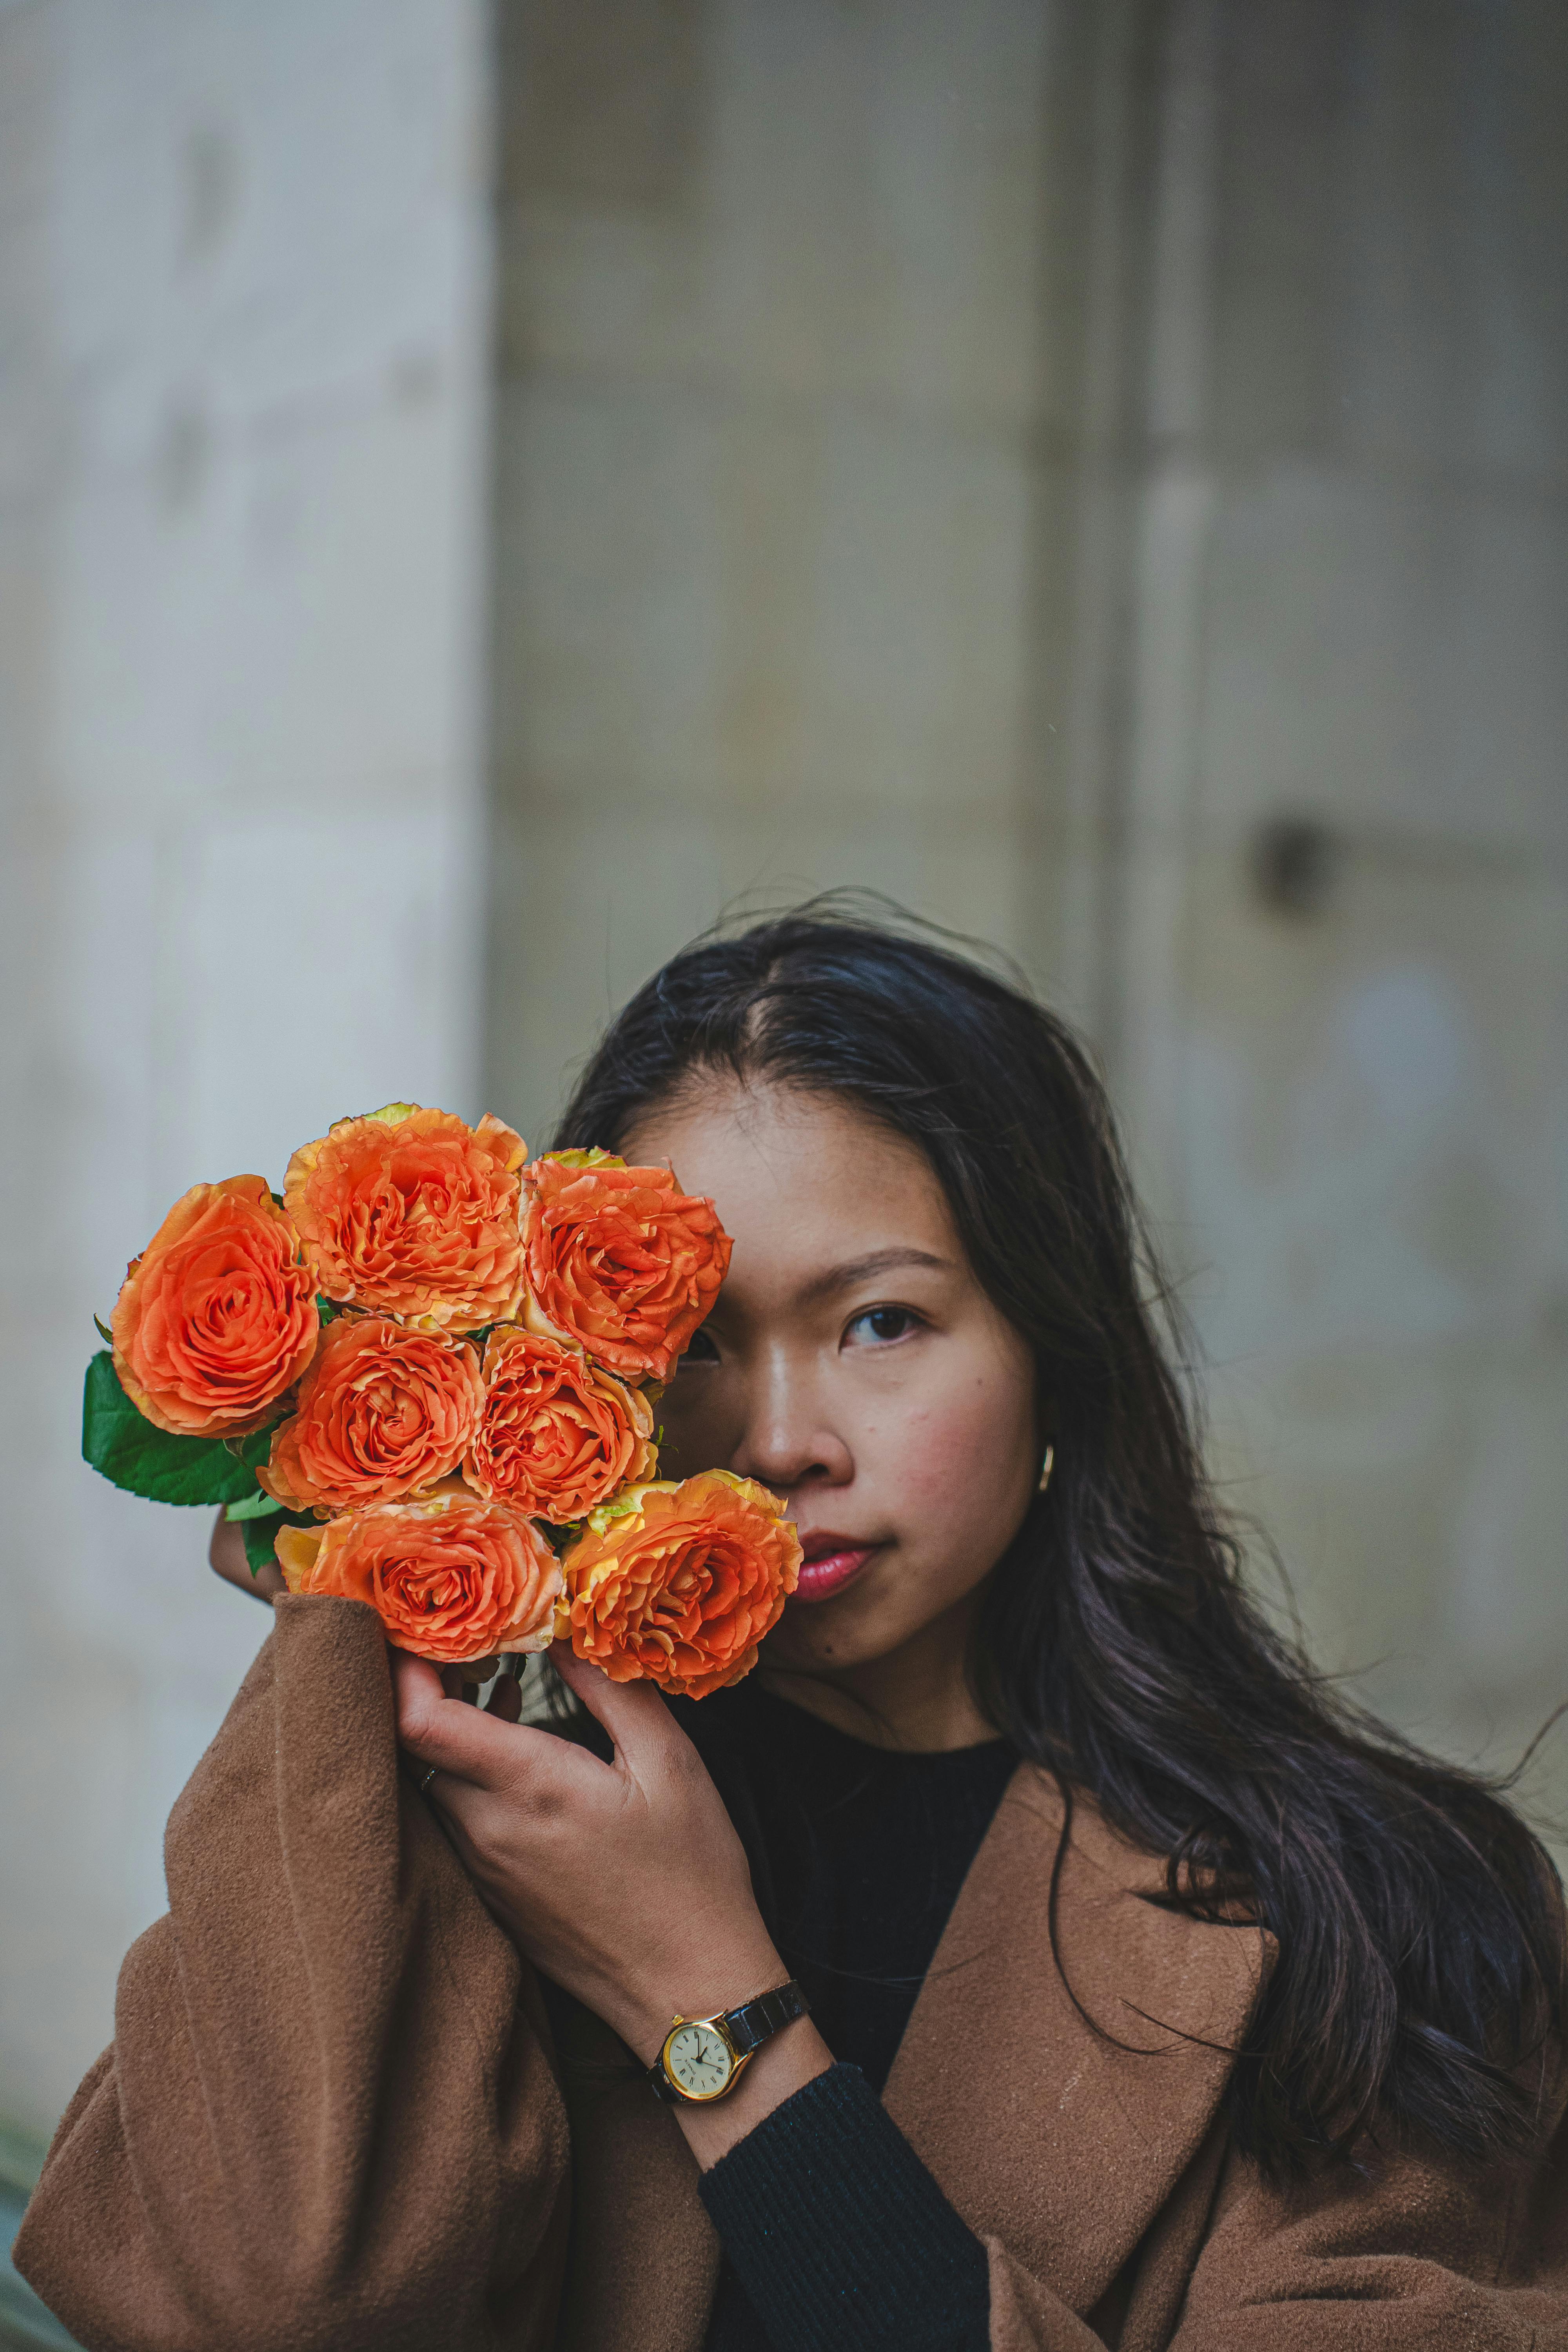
681 1587
619 1260
217 1318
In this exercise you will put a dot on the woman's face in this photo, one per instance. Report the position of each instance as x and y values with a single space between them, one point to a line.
853 1364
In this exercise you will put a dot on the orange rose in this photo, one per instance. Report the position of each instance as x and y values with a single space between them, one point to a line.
559 1435
619 1259
411 1214
451 1577
678 1584
217 1316
382 1413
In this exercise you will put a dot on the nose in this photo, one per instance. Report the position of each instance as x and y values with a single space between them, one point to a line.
789 1441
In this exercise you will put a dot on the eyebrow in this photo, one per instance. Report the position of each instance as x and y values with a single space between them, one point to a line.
865 1269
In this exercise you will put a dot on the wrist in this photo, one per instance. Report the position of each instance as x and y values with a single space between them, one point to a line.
784 2064
705 1985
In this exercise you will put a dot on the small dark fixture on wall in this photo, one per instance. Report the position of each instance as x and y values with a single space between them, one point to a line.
1295 863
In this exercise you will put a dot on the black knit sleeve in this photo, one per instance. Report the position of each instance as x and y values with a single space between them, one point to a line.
840 2237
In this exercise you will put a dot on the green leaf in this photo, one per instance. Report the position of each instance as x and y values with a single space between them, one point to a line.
259 1534
104 1333
130 1453
258 1505
326 1310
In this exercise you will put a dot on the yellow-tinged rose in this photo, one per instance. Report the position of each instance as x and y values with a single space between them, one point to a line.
677 1584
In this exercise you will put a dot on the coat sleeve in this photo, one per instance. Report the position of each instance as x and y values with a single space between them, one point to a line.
329 2115
1400 2254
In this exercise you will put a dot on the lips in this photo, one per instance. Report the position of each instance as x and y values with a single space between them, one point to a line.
831 1563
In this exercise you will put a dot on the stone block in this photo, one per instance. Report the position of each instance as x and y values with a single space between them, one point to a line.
842 205
710 600
79 923
334 552
311 969
602 103
1383 655
1388 280
1369 1126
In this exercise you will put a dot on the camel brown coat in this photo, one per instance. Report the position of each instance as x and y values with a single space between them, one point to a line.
333 2116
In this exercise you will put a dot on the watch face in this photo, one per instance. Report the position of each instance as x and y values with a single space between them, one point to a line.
697 2061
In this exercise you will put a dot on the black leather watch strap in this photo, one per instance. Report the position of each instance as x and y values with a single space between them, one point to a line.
750 2025
746 2029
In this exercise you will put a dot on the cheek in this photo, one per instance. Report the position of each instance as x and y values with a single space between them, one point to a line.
964 1460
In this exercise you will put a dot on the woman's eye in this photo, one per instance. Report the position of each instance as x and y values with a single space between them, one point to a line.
879 1325
699 1350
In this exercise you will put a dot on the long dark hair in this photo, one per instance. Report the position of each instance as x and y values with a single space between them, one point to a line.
1418 1924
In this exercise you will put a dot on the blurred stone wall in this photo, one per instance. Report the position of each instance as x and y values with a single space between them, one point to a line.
1097 471
244 290
768 331
1316 765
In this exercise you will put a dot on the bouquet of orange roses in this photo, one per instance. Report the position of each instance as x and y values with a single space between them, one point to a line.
425 1376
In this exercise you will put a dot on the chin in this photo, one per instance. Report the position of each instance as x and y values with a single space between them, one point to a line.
829 1637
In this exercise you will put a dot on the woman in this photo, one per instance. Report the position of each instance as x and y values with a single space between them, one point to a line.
1156 1997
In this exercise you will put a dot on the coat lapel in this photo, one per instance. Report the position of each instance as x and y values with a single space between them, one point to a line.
1042 2133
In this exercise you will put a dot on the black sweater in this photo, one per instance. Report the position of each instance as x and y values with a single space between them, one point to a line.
835 2236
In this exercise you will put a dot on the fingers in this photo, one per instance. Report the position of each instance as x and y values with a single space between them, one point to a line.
486 1749
226 1556
227 1551
466 1681
506 1699
434 1724
632 1713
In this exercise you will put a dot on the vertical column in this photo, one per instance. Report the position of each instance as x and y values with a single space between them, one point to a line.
1145 939
769 386
1314 707
241 428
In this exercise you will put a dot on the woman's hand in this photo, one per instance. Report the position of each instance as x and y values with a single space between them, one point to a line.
226 1555
624 1883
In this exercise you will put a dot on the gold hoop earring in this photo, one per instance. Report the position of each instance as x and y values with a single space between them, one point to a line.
1047 1467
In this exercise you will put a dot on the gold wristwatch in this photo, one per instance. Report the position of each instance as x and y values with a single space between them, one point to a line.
704 2057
